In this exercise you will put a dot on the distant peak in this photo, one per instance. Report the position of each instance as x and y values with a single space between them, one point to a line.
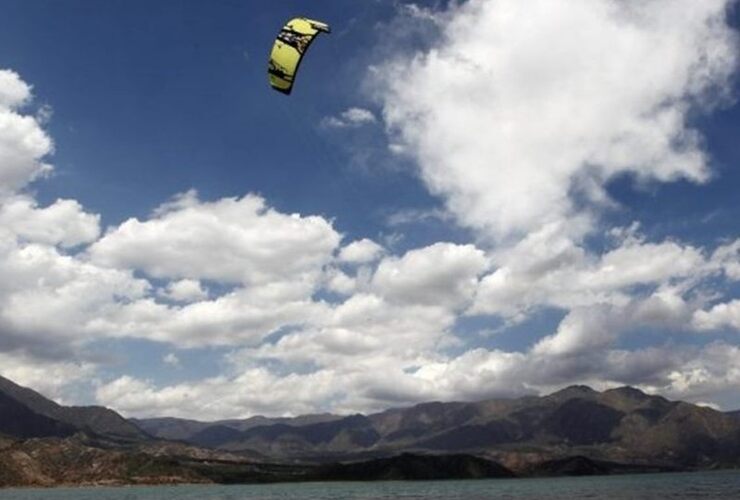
627 391
575 390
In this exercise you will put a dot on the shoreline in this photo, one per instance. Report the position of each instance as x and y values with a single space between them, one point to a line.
116 484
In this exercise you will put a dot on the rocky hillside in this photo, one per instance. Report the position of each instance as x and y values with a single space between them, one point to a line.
73 461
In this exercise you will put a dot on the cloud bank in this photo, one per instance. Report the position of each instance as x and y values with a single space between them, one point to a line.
517 117
523 111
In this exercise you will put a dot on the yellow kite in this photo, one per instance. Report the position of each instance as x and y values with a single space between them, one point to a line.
290 46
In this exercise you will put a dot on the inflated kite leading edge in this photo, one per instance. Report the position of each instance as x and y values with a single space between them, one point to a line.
290 46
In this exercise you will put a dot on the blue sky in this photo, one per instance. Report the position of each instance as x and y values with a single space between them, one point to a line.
484 206
151 100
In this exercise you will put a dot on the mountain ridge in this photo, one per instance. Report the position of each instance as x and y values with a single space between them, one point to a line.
622 424
95 419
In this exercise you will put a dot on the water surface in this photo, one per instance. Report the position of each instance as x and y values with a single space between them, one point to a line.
697 485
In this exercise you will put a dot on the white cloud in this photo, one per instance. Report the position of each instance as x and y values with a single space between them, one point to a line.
52 378
352 117
592 329
23 144
14 92
522 108
362 331
369 353
361 252
46 295
184 291
171 359
704 375
53 302
373 384
548 269
255 391
63 223
231 240
720 316
519 147
582 330
340 282
727 258
442 274
475 375
241 317
677 372
412 216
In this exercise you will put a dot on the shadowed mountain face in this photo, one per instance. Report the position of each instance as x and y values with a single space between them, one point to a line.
183 429
582 421
326 438
620 425
18 420
25 413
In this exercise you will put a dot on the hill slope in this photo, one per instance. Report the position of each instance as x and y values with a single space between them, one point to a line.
44 417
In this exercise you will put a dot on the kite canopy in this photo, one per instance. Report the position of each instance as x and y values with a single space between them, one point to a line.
290 46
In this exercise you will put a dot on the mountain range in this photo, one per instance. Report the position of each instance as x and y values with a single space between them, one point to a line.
621 425
573 431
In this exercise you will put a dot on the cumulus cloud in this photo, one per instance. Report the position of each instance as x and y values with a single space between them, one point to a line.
14 92
548 269
442 274
51 378
231 240
340 282
244 316
46 295
523 111
55 299
63 223
370 352
519 146
720 316
254 391
360 252
373 384
23 143
705 374
352 117
727 258
184 291
363 330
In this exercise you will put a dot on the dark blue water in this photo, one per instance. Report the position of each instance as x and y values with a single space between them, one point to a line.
704 485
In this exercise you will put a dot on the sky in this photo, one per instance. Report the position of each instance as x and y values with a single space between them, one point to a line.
460 200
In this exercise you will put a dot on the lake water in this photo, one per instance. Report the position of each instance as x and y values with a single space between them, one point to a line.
704 485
